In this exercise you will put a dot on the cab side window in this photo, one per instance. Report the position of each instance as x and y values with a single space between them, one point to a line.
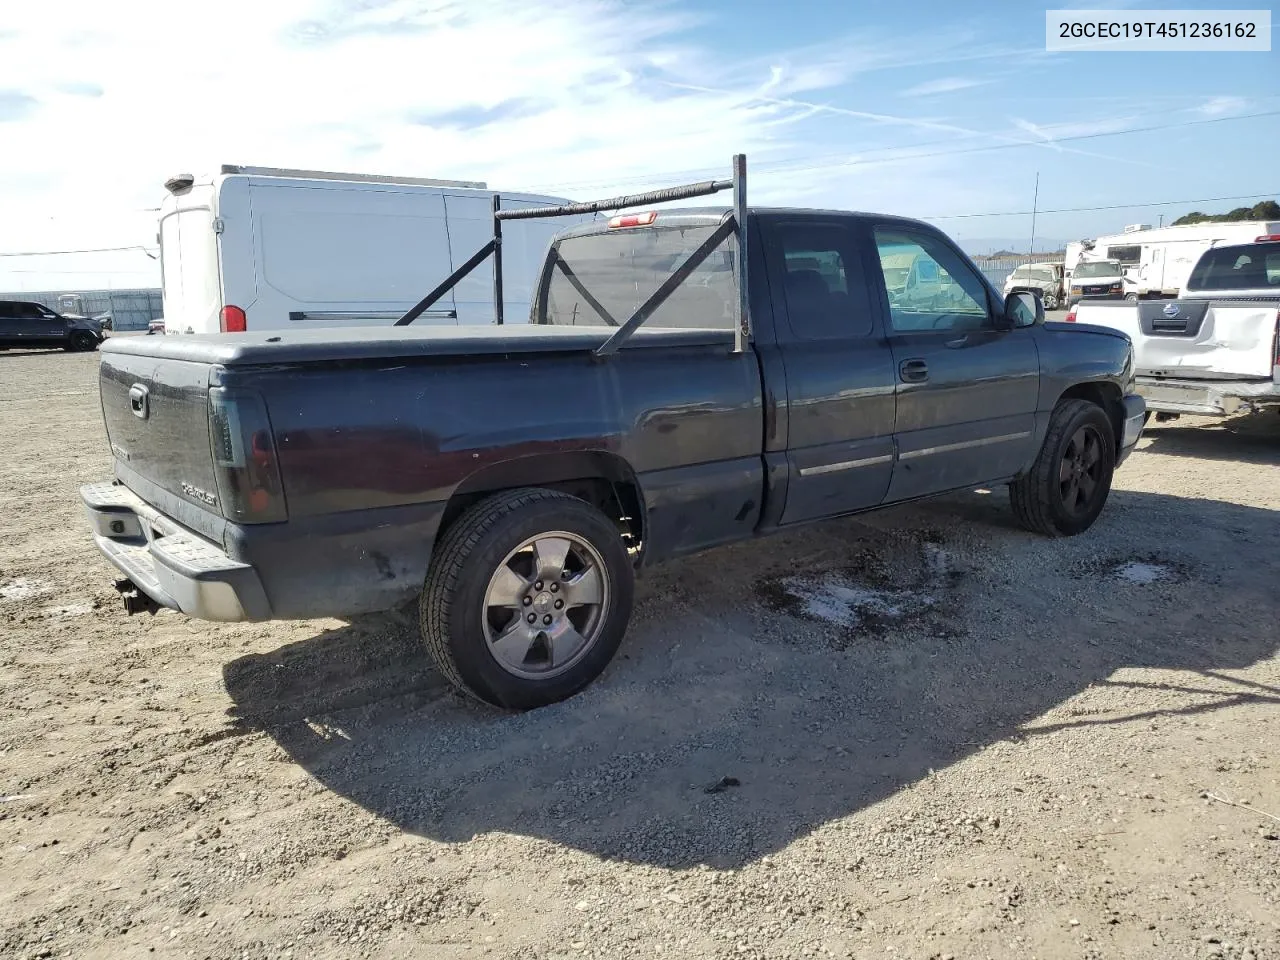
824 285
929 287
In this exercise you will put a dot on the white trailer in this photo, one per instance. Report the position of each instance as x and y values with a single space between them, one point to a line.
258 248
1158 261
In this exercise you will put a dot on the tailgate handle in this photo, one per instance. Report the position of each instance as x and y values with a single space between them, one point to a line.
139 401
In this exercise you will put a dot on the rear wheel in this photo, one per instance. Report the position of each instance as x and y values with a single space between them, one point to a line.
1050 302
1067 486
527 599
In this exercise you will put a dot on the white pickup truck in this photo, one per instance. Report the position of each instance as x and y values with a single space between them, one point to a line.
1214 350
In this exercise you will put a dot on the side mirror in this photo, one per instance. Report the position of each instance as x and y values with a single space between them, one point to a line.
1023 309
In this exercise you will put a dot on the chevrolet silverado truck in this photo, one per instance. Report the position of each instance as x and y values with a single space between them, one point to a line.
1215 351
688 378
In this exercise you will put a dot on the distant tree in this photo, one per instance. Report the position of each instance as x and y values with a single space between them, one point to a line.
1265 210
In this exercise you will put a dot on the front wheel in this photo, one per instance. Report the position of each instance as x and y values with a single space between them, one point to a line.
1131 297
82 342
1067 485
527 599
1050 302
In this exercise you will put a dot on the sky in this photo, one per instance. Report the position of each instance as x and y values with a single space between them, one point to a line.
930 109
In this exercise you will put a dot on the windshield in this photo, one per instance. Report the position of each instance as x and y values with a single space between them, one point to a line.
621 269
1251 266
1101 268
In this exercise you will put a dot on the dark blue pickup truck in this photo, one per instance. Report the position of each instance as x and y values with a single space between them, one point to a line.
513 480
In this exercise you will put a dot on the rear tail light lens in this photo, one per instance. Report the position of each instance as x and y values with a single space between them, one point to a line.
244 458
1071 315
1266 239
232 320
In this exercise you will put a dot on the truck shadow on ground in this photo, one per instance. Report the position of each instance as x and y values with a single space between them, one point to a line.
748 707
1247 439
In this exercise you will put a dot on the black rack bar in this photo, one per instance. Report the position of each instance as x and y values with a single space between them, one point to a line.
743 334
423 305
706 188
497 259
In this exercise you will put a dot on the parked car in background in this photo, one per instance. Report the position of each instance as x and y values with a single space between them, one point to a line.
155 326
867 362
25 323
1045 279
1097 280
257 248
1215 351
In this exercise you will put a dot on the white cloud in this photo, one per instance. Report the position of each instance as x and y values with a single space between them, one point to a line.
1222 106
942 85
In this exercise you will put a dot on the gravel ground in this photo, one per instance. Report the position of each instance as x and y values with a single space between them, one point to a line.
919 734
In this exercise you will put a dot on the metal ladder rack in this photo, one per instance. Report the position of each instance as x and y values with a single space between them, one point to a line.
735 223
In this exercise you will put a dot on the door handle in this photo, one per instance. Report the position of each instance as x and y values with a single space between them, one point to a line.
913 371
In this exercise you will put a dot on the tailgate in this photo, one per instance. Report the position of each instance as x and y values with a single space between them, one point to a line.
1207 339
157 417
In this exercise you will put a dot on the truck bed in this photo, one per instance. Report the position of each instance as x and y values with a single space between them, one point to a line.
354 344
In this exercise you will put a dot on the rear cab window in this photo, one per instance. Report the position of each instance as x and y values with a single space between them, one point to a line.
1250 266
602 278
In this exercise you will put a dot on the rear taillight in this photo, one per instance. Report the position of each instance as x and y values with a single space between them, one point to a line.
244 458
1071 315
1268 238
232 320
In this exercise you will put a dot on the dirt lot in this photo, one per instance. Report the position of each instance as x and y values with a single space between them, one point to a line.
943 738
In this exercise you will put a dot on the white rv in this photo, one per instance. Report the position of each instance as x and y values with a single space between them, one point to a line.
254 248
1158 261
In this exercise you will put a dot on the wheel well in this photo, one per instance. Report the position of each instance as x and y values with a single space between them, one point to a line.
1105 395
604 480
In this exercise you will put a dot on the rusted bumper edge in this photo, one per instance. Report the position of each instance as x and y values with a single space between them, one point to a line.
1210 398
167 562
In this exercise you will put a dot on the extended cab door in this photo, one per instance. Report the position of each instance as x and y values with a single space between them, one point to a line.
839 369
967 387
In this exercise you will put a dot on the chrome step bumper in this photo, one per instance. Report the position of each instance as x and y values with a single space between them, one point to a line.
171 565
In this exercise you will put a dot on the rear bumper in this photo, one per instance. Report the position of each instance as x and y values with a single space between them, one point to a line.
171 565
1210 398
1135 418
335 565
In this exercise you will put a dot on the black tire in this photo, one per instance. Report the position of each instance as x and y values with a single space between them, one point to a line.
82 342
1043 501
454 603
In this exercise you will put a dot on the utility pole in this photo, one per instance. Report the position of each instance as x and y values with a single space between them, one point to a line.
1035 200
1162 219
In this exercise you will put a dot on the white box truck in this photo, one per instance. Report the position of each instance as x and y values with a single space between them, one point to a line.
258 248
1157 262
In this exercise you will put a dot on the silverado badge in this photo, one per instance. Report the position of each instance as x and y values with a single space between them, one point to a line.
195 493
